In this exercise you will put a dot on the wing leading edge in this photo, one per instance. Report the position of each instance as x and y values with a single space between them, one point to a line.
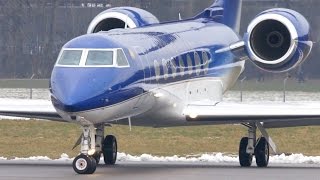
38 109
273 115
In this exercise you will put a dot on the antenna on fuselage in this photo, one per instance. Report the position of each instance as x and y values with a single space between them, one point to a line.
180 18
129 121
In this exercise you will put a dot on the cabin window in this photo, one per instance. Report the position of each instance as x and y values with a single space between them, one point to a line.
189 61
173 67
206 62
165 69
181 65
99 58
157 70
70 57
197 62
121 59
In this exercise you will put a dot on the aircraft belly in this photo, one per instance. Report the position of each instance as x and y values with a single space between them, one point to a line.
121 110
207 91
172 99
167 110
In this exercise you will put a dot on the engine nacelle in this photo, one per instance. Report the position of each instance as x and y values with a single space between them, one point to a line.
120 17
278 40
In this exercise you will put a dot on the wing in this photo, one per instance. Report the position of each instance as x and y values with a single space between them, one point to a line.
273 115
38 109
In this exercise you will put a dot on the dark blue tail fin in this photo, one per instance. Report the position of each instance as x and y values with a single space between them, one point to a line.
227 12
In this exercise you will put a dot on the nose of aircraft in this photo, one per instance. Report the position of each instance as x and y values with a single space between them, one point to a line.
80 89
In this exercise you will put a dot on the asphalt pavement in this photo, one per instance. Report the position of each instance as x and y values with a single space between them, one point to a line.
158 171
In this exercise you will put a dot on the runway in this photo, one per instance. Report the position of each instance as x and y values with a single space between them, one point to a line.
158 171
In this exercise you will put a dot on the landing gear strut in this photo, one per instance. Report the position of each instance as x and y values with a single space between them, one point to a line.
250 147
93 144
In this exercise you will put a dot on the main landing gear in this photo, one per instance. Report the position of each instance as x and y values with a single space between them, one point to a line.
93 144
259 148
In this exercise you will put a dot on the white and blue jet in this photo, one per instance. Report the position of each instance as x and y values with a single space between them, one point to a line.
131 69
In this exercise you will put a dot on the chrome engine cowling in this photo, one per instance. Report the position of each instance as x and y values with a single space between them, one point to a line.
278 40
120 17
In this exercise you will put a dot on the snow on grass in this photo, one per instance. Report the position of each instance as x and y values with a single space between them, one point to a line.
64 158
295 158
13 118
205 158
218 157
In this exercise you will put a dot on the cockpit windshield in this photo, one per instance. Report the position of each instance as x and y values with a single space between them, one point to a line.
70 57
99 58
93 58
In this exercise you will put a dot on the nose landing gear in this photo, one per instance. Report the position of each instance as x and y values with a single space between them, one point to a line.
92 146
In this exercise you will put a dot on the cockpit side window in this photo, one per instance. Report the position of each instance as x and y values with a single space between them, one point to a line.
70 57
99 58
93 58
121 59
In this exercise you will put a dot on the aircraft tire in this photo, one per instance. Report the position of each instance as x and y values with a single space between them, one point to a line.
245 159
97 157
262 152
110 150
84 164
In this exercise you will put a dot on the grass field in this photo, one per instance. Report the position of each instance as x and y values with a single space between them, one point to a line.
40 138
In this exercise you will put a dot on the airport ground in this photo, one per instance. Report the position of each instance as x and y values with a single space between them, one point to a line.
160 171
249 84
42 138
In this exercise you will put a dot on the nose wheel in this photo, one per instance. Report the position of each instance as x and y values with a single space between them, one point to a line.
110 150
84 164
97 157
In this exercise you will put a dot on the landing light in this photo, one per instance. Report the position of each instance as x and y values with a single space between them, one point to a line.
91 152
158 95
193 116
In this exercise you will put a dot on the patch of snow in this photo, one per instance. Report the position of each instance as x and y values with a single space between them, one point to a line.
216 158
63 158
295 158
13 118
32 158
206 158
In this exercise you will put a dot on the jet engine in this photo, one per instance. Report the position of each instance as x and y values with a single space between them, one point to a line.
121 17
278 40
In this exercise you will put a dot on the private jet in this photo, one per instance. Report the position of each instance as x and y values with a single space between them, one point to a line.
132 69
